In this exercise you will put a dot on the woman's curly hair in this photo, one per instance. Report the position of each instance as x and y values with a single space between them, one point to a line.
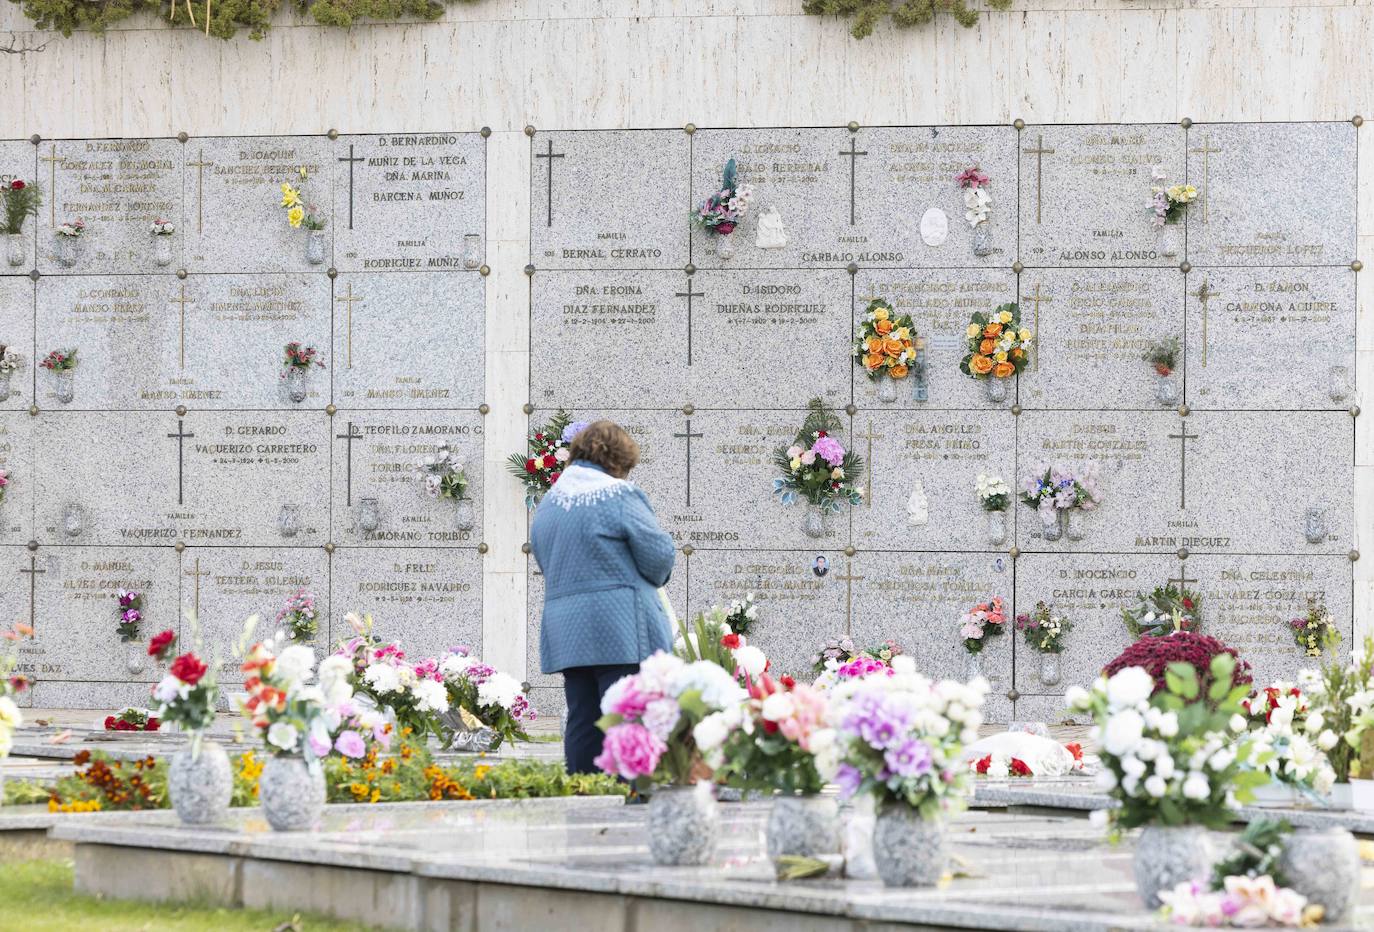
606 444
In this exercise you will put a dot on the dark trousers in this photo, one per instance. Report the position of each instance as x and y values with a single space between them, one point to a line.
583 688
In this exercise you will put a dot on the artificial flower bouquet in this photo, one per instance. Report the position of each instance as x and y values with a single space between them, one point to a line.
21 200
977 202
443 474
1162 355
300 357
816 466
886 343
414 695
993 492
986 619
999 766
299 211
131 719
1166 609
651 719
710 637
1168 203
725 209
1290 741
11 685
130 613
162 227
836 653
4 484
72 229
185 697
741 614
998 346
488 696
901 737
1340 695
1044 630
1315 631
60 360
1180 756
10 359
780 739
298 616
547 456
1062 488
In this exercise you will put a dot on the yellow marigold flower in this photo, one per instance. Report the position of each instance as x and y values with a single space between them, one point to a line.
480 772
295 215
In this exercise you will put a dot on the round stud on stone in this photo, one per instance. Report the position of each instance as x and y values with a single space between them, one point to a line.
484 408
851 409
1185 267
853 126
33 545
690 128
333 134
1354 410
1012 694
852 268
1185 122
1018 124
332 273
688 550
35 139
525 548
484 271
181 410
690 269
33 410
1357 120
1184 410
1356 265
330 410
485 131
1014 552
527 408
180 547
1017 267
329 547
1353 555
689 409
182 273
529 269
1183 553
183 136
482 547
1016 410
850 551
35 275
529 130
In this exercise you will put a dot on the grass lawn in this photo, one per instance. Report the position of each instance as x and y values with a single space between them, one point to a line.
37 897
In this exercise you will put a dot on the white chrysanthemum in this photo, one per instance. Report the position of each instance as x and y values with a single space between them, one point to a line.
1128 687
295 664
431 696
283 735
1123 732
382 677
499 689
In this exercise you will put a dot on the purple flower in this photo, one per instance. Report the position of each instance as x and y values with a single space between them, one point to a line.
351 744
319 745
911 759
848 779
572 430
829 449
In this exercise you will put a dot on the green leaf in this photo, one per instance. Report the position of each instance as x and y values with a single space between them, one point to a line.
1181 679
607 722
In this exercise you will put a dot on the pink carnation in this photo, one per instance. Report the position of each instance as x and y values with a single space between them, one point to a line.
626 698
829 449
629 751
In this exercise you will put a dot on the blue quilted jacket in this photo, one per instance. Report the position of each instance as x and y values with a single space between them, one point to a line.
603 556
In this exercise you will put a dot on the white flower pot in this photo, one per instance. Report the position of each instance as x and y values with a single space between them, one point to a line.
314 247
803 826
1169 241
465 514
683 822
996 527
1166 856
200 785
973 665
909 851
369 514
292 794
289 520
295 384
135 656
1073 524
1166 390
1049 668
472 251
887 390
68 250
64 386
813 521
162 249
1051 524
995 390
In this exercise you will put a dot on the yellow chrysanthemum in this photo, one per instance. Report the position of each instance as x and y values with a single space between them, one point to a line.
295 215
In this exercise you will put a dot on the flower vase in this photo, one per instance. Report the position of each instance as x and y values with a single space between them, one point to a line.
1166 856
68 250
314 247
289 520
465 515
995 389
1050 524
682 824
982 240
908 850
803 826
887 390
295 384
135 656
64 385
162 249
1049 668
997 527
292 793
15 250
1166 390
369 514
1324 866
200 784
725 246
973 665
1169 241
5 385
472 251
1314 525
1073 524
813 522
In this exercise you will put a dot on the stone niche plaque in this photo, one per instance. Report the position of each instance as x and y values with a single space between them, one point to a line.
429 600
413 202
234 218
593 206
225 586
241 473
1265 481
17 460
376 482
18 159
1093 327
940 303
1248 601
1279 338
16 331
78 609
409 340
1272 194
1085 195
117 187
922 470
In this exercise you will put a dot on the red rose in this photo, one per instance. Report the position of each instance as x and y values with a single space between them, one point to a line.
787 681
1188 603
189 669
731 641
553 477
109 723
160 643
1019 768
983 765
16 185
549 461
530 466
153 724
1076 750
725 229
770 728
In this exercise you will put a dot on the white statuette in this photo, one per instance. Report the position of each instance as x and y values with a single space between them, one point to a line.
917 509
934 227
770 233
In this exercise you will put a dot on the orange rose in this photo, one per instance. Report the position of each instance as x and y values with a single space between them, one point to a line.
1018 353
897 372
883 326
1003 370
872 362
987 346
875 344
980 365
992 330
892 347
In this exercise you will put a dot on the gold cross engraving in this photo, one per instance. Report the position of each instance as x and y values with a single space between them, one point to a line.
1039 152
348 300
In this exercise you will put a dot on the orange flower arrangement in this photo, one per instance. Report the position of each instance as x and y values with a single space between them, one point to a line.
998 347
886 344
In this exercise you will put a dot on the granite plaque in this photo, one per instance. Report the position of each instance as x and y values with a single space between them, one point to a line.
1086 199
409 340
410 202
18 160
1272 194
940 303
1093 328
922 471
429 600
378 496
16 332
593 204
117 188
1271 339
17 461
235 221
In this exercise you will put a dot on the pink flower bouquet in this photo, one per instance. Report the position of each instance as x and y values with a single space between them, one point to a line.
779 739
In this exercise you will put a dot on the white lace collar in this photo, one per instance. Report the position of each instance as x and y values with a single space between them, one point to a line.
584 485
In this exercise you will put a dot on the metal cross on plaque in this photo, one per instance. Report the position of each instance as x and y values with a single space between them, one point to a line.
349 435
1036 300
689 294
351 160
196 575
1039 152
853 154
181 436
1203 295
200 164
869 436
182 300
849 579
1206 151
52 158
550 155
33 572
1183 437
1182 580
348 300
688 436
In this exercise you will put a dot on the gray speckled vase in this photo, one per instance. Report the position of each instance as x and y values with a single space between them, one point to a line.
682 825
804 826
1166 856
1324 866
292 795
200 785
908 850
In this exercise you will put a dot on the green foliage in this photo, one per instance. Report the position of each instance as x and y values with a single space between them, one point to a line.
21 201
701 639
1254 853
24 793
868 13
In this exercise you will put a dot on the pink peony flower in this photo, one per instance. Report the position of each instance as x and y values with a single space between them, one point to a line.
629 751
829 449
626 698
661 717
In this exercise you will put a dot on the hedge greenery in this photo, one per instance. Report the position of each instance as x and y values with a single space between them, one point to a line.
868 13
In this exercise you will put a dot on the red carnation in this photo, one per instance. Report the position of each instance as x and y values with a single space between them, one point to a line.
530 466
731 641
161 644
725 229
1076 750
109 723
16 185
153 724
770 728
983 765
189 669
549 461
1019 768
787 681
553 477
1188 603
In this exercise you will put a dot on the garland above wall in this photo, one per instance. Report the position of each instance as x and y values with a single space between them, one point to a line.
868 13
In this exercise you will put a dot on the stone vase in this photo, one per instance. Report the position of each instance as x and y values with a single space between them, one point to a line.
465 514
982 240
1314 525
289 520
1324 866
996 526
973 665
5 384
314 246
472 251
1166 856
295 384
64 385
683 822
369 514
16 252
887 390
1049 668
135 656
725 246
68 250
995 390
292 794
1169 241
1050 524
1073 524
200 784
162 249
813 521
909 851
1166 390
1338 383
803 826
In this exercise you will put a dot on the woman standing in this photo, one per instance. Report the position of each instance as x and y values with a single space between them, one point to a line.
603 556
